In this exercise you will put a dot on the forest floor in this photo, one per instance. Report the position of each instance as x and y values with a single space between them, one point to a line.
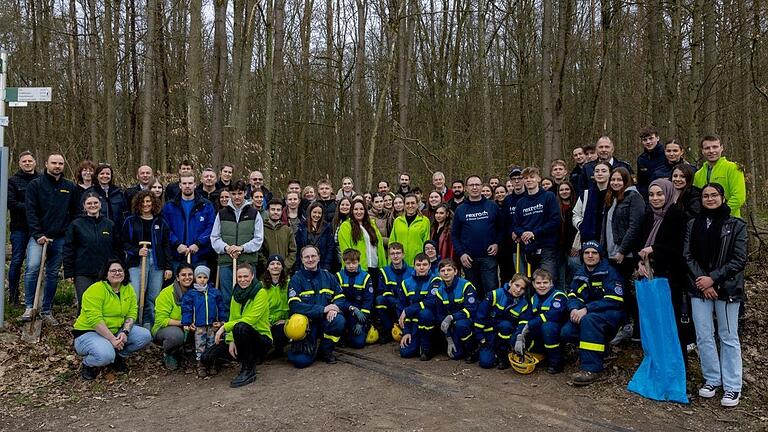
373 388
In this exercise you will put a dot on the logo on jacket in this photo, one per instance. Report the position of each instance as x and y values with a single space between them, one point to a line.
292 293
202 218
471 300
157 227
476 216
619 290
538 208
556 304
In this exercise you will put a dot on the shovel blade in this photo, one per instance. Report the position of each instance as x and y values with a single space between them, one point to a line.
32 331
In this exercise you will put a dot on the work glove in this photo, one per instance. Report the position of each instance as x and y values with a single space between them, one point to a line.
520 344
361 318
525 331
446 323
451 347
357 330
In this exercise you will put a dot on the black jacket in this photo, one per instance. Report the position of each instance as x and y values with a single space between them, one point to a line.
690 202
129 194
329 208
131 235
729 265
51 204
667 257
627 220
17 189
90 242
114 205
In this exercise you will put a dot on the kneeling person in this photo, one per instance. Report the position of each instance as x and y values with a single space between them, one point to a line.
415 319
248 337
595 304
358 291
315 293
548 313
501 316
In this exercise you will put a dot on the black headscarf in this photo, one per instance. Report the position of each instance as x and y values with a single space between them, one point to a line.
705 235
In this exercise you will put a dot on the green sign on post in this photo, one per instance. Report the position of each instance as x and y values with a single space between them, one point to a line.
28 94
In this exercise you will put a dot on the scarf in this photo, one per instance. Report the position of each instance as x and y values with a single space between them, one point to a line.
705 235
200 288
244 295
658 213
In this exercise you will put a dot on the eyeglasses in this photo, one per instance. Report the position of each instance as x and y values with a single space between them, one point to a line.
710 196
116 271
474 184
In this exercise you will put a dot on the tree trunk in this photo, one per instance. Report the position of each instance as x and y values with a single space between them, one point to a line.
219 80
194 79
110 23
306 76
359 88
149 83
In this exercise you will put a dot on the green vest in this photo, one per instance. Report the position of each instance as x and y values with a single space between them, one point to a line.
237 232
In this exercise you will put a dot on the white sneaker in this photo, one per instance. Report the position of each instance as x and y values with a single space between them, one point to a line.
730 398
623 333
27 316
708 391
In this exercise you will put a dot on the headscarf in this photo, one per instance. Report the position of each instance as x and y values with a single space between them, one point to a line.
668 189
705 234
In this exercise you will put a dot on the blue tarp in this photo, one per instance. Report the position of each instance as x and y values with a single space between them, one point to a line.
661 375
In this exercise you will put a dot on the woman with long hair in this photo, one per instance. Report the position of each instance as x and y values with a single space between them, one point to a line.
440 226
434 199
292 215
275 282
624 213
359 233
157 189
568 253
84 178
380 217
113 202
499 193
588 212
343 210
316 232
687 197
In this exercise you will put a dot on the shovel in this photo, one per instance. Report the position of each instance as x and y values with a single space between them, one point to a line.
33 328
144 276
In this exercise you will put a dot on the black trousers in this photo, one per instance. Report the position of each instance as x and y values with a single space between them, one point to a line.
250 344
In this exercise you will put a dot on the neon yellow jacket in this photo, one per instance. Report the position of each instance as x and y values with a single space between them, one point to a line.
345 242
254 313
101 304
730 176
412 237
166 309
278 302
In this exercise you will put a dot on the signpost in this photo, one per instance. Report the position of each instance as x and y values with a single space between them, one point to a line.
17 97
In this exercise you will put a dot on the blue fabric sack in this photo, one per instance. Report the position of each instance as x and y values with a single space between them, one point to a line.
661 375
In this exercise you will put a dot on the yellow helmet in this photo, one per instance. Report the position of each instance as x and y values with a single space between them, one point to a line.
397 333
373 335
523 364
296 327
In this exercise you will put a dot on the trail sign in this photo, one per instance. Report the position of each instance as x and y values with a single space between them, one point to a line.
28 94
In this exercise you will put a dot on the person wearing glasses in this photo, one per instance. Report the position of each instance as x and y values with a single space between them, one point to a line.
104 331
256 182
475 234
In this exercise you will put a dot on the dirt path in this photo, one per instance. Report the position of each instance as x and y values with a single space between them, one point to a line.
372 389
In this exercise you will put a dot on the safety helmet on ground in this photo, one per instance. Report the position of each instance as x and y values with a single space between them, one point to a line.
296 327
523 364
397 333
372 336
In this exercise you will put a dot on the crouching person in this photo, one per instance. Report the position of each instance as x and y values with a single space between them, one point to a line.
595 305
104 331
453 303
358 292
548 313
415 319
245 337
500 317
315 293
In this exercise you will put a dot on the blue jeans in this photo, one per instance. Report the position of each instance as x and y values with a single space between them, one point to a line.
97 351
52 266
225 286
547 260
724 369
19 240
483 275
154 286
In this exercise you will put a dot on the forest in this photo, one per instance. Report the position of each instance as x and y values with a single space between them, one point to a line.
369 88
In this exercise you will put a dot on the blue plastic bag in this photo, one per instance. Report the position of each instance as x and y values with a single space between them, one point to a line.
661 375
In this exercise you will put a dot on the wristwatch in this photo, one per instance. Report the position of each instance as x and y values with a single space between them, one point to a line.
125 332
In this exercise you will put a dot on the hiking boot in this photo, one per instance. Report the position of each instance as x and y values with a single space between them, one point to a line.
730 398
119 365
472 357
624 333
246 376
212 370
708 391
554 369
48 319
170 362
26 316
89 373
584 378
425 356
330 358
202 371
384 338
503 363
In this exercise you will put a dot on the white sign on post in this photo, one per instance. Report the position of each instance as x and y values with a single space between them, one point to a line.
34 94
4 121
18 104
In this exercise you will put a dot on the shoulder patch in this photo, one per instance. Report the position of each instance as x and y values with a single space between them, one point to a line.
556 304
202 218
433 291
471 300
619 289
370 289
292 293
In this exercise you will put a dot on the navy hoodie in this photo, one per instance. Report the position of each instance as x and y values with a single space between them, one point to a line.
540 214
508 211
476 225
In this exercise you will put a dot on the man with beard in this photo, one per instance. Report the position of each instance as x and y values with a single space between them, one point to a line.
458 195
405 184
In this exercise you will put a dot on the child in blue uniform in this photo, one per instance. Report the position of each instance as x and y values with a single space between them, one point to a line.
416 320
358 291
390 278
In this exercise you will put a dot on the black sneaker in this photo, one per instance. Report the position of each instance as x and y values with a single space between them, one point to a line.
330 358
472 357
554 369
730 398
119 365
503 361
425 356
89 373
246 376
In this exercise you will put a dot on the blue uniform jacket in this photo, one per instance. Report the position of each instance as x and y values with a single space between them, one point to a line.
390 278
202 308
458 299
357 288
410 298
551 307
309 292
195 229
540 214
598 290
500 305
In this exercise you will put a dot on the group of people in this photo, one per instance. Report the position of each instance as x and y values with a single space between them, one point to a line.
490 272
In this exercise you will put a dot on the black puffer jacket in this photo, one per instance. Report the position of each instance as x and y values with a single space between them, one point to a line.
729 264
91 241
17 189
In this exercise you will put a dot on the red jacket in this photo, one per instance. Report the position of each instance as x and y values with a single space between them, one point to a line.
444 244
